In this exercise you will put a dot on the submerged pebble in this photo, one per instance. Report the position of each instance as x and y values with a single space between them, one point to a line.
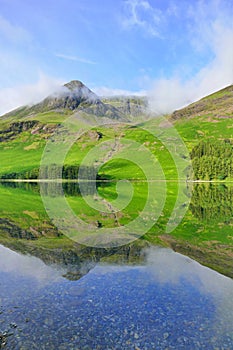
125 308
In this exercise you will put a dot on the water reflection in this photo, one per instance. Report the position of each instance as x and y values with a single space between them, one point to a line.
67 296
205 233
212 202
170 302
28 266
173 268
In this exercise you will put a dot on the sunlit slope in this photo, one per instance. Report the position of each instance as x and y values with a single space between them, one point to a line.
22 151
205 232
25 132
209 118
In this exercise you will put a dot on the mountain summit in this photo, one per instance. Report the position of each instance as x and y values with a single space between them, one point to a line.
69 96
74 85
77 97
77 89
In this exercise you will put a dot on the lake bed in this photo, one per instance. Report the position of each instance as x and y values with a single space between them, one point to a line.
169 302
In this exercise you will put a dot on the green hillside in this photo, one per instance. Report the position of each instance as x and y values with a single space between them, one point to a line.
25 131
217 105
137 148
204 234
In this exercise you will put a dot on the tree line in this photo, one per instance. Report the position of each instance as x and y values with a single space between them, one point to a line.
54 171
212 203
212 160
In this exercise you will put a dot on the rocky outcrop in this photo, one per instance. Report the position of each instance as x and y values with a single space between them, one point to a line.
130 106
16 128
14 231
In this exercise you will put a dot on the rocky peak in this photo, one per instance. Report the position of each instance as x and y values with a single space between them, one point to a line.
74 85
76 89
75 96
70 96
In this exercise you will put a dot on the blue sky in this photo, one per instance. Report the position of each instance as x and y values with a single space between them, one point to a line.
174 50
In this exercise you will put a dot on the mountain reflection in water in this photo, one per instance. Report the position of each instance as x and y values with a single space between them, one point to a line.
167 302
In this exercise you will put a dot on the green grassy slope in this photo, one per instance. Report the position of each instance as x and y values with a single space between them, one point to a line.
207 119
217 105
205 232
23 152
209 241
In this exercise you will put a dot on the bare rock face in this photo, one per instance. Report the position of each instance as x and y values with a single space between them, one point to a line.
16 128
14 231
133 106
70 96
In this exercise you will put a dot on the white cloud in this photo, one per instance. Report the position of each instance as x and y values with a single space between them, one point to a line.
105 91
14 97
140 14
11 98
169 267
74 58
30 266
211 31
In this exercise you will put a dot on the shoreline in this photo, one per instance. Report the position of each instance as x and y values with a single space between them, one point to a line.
115 181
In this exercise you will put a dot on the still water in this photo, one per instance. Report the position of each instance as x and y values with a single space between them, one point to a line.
58 295
168 302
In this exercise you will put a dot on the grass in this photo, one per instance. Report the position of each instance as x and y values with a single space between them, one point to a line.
124 151
24 152
21 154
213 238
17 203
26 209
194 130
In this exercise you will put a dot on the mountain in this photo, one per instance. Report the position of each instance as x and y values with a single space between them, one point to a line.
77 97
205 127
217 105
71 96
25 131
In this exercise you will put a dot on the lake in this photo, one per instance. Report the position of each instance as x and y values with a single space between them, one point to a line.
58 294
